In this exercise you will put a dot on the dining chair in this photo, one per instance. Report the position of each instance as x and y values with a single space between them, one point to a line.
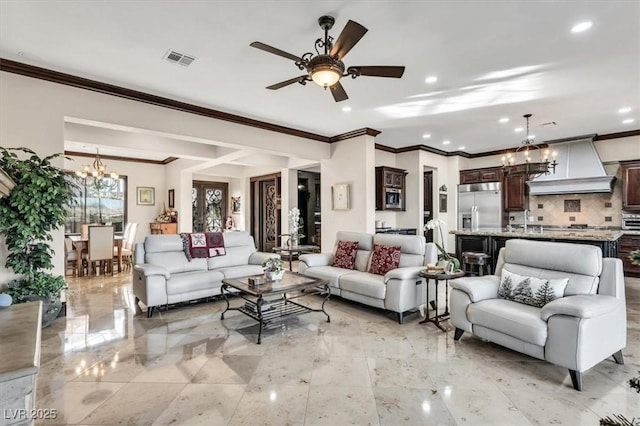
71 257
100 247
127 229
128 244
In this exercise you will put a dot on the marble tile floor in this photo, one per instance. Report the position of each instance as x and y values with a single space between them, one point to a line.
105 365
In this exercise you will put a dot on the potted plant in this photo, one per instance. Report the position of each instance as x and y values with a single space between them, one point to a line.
634 256
273 268
34 208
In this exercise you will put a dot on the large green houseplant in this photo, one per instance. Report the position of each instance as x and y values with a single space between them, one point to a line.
34 208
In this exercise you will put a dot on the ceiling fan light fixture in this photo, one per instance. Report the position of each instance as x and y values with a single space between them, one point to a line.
325 77
325 71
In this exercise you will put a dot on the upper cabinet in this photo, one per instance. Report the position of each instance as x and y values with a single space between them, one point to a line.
515 193
390 188
630 171
492 174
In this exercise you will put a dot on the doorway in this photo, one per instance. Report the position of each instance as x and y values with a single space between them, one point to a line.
309 205
209 206
428 203
265 211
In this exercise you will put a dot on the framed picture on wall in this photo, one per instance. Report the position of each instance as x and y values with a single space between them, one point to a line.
146 196
235 205
443 203
172 198
340 196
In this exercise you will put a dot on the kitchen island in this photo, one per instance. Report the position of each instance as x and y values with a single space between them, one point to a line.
491 240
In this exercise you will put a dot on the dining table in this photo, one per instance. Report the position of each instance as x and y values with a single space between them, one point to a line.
81 242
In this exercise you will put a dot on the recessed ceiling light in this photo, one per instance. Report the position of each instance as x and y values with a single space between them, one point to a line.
504 120
519 129
446 142
431 79
624 110
426 136
628 121
582 26
346 109
460 148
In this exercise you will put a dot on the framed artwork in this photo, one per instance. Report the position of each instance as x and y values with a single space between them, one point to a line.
443 203
172 198
146 196
235 205
340 196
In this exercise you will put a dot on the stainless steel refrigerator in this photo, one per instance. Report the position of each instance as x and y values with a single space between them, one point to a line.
480 205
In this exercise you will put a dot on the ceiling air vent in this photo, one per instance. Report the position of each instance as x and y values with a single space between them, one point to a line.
179 58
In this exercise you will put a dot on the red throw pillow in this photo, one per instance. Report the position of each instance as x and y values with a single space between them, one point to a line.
345 256
384 259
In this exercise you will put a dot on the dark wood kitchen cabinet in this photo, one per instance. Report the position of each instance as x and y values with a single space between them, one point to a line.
515 193
491 174
630 171
390 188
626 244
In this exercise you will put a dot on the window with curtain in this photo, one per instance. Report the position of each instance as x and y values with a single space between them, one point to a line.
97 201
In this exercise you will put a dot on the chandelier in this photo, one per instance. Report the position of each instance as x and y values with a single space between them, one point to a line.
535 159
98 169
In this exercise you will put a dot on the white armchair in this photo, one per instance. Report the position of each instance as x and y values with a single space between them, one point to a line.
576 331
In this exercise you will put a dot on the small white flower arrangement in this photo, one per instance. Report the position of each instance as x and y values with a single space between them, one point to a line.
294 227
272 264
439 224
273 268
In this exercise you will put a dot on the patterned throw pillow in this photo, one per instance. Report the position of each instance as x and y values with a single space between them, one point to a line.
529 290
384 259
345 256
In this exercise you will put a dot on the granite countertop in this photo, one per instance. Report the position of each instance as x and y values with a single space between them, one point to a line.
20 340
547 234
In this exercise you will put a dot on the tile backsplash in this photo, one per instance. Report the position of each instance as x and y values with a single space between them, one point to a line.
592 209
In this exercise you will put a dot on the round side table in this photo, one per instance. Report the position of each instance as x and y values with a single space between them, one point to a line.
438 276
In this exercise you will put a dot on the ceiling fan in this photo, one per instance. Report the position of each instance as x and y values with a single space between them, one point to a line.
326 68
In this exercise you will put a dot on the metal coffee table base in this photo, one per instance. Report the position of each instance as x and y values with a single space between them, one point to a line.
278 309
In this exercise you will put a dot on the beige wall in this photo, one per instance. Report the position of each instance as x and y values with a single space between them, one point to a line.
352 162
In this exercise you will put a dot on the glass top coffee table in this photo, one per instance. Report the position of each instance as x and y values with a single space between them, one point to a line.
273 300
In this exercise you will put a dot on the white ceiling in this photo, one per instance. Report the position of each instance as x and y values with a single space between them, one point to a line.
493 59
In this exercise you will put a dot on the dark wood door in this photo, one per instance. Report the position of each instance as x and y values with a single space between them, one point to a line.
428 203
515 193
265 211
630 185
209 206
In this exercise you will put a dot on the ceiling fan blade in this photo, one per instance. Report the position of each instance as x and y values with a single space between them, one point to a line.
377 71
338 92
275 51
350 35
287 82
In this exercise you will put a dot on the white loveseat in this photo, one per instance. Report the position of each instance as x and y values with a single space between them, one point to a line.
576 331
163 275
399 290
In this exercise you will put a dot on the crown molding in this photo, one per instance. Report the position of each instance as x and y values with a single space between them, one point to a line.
119 158
617 135
121 92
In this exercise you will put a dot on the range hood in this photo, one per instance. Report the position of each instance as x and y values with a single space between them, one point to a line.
579 171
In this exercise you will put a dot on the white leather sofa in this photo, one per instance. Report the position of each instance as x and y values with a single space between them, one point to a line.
163 275
399 290
576 331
